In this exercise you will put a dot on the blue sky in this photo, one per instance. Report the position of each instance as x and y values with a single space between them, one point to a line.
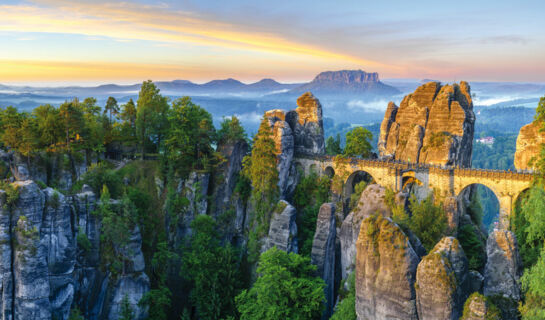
61 41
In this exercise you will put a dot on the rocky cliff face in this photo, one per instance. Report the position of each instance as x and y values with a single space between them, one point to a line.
503 267
298 131
442 281
432 125
529 143
371 202
283 229
43 270
323 253
385 272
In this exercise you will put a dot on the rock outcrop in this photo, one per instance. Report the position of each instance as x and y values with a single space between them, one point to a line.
307 125
529 143
323 253
298 131
45 266
283 229
477 307
442 281
371 202
432 125
385 271
503 267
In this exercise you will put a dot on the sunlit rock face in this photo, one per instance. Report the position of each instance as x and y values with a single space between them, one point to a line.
385 271
307 125
434 124
529 143
442 281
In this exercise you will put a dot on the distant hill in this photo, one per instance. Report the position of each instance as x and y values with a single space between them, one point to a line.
351 82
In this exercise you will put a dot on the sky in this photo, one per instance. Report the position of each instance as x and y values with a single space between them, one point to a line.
83 42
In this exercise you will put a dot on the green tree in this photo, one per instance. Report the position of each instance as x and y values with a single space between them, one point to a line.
126 309
72 120
333 145
286 288
358 143
151 116
49 126
189 141
111 107
533 284
213 270
418 221
528 224
346 308
231 131
11 124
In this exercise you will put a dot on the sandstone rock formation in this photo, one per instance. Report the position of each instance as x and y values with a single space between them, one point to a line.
283 229
385 271
477 307
224 198
298 131
323 253
432 125
43 270
442 281
529 143
503 267
371 202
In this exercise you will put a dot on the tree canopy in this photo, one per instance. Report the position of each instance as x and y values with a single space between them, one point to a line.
358 143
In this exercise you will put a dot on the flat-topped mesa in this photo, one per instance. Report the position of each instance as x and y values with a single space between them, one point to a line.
529 143
434 124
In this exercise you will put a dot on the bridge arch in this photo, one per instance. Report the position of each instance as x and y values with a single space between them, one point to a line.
353 179
489 201
329 172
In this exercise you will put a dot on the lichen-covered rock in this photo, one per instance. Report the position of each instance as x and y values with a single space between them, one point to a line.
432 125
307 125
503 267
477 307
371 202
224 199
442 281
285 148
529 143
283 228
385 271
323 253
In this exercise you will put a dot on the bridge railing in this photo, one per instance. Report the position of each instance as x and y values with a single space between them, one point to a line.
407 165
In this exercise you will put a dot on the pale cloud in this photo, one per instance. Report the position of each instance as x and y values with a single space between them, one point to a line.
127 21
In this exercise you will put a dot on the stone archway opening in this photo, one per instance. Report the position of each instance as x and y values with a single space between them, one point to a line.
354 186
482 204
329 172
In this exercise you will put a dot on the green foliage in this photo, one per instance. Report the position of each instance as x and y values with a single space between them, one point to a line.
422 212
358 143
116 228
528 223
212 269
310 193
358 190
475 209
473 246
99 175
533 284
286 288
231 131
151 117
75 314
157 300
126 309
333 145
189 141
346 308
492 312
83 241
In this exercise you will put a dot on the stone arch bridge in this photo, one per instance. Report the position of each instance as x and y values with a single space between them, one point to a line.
448 181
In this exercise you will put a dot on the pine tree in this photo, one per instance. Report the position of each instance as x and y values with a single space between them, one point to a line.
126 309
